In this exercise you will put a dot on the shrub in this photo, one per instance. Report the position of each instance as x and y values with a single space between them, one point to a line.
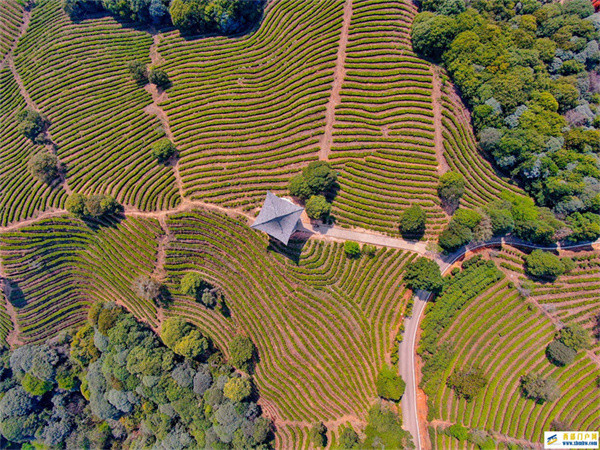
348 438
559 354
44 166
163 150
75 204
237 389
457 431
317 207
543 264
389 384
575 337
318 435
369 250
160 78
467 383
451 187
412 222
540 389
241 351
99 205
585 227
137 70
192 284
352 249
146 288
424 274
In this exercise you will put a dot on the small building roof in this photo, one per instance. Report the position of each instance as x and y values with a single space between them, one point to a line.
278 218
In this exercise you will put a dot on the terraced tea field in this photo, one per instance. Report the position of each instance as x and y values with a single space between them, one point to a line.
323 323
58 266
506 335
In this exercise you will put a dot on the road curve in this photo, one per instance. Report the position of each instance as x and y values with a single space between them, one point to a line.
408 347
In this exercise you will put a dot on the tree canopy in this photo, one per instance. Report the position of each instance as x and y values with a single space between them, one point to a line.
424 274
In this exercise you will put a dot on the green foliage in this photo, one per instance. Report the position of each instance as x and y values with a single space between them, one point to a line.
183 338
31 124
467 218
389 384
352 249
35 386
412 222
83 350
147 288
317 207
159 77
457 431
78 9
241 351
576 337
454 236
585 227
237 389
75 204
298 187
163 150
542 264
207 16
369 250
99 205
540 389
348 438
44 166
192 284
467 383
318 435
431 33
316 179
138 72
559 354
451 187
384 429
424 274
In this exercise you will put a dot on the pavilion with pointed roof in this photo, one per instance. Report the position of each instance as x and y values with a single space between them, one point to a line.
279 218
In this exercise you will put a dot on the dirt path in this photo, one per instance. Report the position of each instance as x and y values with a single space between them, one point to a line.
154 108
438 137
338 80
50 145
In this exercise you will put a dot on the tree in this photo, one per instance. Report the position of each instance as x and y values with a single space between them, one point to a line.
585 227
369 250
35 386
389 384
575 337
424 274
78 9
192 284
75 204
544 264
241 351
454 236
317 207
31 123
352 249
467 383
160 78
412 222
205 16
99 205
318 435
432 33
384 429
502 221
348 438
163 150
451 187
298 187
146 288
183 338
540 389
319 176
237 389
467 218
137 70
559 354
44 166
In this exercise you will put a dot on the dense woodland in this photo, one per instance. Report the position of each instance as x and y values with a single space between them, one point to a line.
529 72
115 384
190 16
